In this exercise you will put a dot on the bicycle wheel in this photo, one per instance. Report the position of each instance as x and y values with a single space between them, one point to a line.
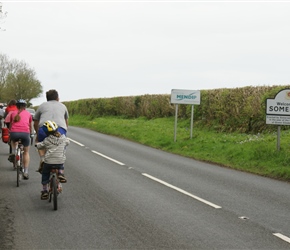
49 193
17 167
54 192
18 175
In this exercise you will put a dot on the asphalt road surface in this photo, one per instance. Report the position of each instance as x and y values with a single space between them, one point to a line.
123 195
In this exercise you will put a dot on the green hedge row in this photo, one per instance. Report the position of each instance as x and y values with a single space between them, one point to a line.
230 110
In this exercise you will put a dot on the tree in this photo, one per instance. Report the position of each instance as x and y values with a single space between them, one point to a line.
22 85
17 81
6 68
2 16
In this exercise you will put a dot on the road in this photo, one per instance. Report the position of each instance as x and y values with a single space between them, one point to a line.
123 195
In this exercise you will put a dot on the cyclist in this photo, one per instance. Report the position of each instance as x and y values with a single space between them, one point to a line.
55 146
50 110
10 107
21 128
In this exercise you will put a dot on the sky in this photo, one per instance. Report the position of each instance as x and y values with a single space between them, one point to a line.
103 49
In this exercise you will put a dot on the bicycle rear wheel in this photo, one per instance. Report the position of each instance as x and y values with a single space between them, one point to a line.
54 192
18 175
17 166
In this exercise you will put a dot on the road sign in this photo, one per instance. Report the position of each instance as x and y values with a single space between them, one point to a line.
183 96
278 109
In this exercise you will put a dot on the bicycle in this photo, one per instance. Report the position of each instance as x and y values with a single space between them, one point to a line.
18 161
55 187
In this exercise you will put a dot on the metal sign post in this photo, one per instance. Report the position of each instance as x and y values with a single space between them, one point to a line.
191 121
181 96
278 137
175 124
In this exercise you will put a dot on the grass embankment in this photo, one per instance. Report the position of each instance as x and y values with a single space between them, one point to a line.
257 154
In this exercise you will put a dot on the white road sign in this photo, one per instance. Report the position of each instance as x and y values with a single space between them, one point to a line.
278 109
183 96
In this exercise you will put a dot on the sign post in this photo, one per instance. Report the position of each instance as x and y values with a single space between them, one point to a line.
175 123
278 111
182 96
191 121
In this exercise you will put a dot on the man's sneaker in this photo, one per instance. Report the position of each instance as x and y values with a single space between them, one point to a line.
40 167
11 158
44 195
25 176
61 178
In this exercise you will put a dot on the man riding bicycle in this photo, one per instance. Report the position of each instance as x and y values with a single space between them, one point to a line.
50 110
55 146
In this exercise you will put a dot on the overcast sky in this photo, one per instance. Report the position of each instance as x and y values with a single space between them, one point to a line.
100 49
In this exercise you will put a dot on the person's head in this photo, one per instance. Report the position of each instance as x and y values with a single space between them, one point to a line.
50 128
21 104
52 95
12 102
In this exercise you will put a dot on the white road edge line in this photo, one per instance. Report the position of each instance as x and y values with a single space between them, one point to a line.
283 237
118 162
82 145
182 191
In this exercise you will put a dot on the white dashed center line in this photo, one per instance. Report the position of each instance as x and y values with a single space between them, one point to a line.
182 191
283 237
82 145
118 162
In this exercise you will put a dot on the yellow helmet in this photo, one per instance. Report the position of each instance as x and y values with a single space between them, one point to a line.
49 127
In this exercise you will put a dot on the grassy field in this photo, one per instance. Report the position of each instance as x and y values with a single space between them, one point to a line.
257 154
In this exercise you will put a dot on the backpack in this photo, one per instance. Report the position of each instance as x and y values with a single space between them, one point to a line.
5 135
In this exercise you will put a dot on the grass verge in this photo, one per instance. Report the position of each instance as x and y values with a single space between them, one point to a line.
256 154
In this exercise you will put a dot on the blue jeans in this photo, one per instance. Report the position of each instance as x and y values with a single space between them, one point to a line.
46 172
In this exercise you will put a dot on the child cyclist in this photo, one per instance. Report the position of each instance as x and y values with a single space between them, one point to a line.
54 145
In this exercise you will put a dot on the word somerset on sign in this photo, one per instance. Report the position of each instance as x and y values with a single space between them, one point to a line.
278 109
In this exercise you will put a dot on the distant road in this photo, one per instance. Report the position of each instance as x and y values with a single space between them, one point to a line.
123 195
